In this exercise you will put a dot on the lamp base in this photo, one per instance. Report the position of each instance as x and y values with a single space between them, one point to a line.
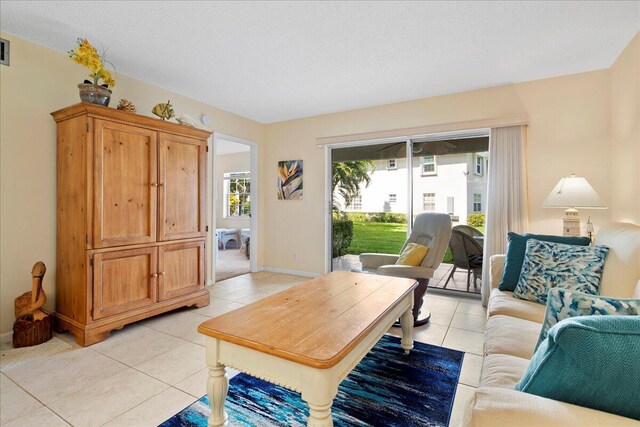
571 224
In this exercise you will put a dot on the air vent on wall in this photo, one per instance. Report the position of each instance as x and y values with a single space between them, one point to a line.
4 52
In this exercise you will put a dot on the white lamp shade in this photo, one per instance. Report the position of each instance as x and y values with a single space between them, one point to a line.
573 192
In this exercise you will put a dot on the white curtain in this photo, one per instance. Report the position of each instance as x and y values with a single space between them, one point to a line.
506 194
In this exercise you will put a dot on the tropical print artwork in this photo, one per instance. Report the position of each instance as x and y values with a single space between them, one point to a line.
555 265
290 180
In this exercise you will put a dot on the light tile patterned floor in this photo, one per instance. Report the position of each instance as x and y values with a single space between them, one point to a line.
148 371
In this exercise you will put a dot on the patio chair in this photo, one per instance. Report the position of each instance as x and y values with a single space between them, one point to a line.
467 255
468 230
429 229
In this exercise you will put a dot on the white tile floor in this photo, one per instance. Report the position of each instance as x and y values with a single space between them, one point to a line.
148 371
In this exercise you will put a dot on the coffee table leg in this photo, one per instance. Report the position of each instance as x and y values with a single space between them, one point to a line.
319 387
320 415
406 322
217 387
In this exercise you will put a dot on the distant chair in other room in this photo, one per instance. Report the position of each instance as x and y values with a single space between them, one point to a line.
226 235
467 253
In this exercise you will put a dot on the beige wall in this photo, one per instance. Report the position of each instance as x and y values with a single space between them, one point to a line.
38 82
236 162
585 124
568 133
625 134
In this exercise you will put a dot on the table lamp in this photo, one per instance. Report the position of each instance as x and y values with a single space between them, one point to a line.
573 192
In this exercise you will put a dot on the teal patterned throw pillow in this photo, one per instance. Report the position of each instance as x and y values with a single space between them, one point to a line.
563 304
550 265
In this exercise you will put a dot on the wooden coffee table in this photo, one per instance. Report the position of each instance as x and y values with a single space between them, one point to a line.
307 338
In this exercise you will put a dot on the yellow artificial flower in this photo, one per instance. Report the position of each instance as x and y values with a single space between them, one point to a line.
87 55
105 75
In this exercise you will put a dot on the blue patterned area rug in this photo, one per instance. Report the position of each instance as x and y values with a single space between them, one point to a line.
387 388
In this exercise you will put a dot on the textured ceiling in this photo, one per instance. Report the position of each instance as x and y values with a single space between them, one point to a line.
273 61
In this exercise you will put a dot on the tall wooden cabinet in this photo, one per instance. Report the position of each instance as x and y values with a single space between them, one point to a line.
131 219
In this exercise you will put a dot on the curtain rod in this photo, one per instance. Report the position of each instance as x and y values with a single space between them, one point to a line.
425 130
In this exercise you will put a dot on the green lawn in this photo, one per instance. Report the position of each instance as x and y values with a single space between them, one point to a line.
381 237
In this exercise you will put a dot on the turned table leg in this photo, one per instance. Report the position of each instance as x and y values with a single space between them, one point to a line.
406 322
319 387
320 415
217 387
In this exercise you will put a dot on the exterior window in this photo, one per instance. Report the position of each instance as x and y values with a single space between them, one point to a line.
477 202
429 202
428 165
356 204
392 198
391 164
479 165
237 192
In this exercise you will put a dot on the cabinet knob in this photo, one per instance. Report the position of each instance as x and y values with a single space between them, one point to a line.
153 184
154 275
161 185
162 274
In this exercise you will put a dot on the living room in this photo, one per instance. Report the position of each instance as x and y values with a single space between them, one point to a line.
299 79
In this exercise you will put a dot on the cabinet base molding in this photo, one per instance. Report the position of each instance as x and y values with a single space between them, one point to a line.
98 331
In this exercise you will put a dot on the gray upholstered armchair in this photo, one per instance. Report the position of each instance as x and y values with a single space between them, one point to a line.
430 229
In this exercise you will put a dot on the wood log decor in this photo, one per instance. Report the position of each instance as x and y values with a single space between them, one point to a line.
33 325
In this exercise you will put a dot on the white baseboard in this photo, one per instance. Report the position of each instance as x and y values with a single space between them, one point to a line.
210 282
4 336
288 271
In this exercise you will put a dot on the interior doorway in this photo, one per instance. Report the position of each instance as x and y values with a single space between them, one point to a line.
235 206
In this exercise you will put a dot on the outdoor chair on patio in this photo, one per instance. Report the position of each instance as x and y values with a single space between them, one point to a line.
467 255
468 230
430 229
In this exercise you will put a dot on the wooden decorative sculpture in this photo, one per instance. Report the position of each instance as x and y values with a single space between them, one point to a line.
33 325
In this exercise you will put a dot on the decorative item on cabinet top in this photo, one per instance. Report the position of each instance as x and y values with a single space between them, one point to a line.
164 110
90 91
94 111
126 105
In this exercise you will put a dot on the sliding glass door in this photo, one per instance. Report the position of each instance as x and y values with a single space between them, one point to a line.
379 188
450 176
369 201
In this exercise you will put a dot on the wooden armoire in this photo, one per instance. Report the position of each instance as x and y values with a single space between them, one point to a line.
131 219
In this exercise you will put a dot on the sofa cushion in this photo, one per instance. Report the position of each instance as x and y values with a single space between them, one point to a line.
503 302
622 269
502 370
515 254
501 407
510 335
548 265
563 304
589 361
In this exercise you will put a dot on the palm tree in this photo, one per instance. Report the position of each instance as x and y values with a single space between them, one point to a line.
347 177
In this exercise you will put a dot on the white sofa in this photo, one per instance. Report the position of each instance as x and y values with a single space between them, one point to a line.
512 330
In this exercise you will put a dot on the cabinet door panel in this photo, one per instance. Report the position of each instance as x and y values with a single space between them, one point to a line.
182 172
181 268
125 180
123 281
